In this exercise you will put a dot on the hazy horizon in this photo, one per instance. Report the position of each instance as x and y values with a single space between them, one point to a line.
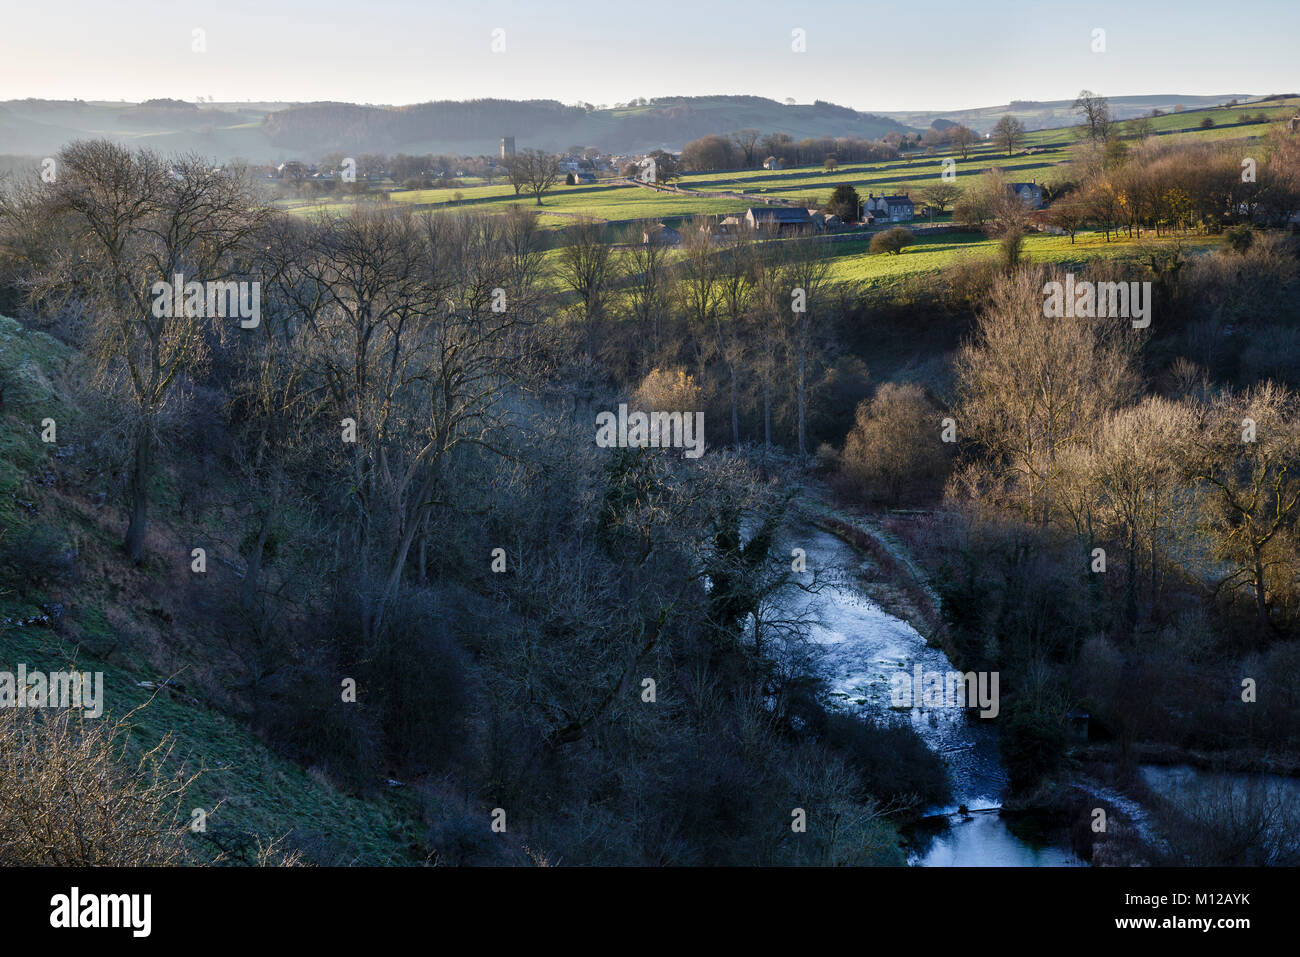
951 108
932 57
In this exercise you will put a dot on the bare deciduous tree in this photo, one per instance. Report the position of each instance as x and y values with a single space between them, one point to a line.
1031 387
138 220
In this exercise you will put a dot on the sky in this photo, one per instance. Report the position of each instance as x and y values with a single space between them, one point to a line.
915 55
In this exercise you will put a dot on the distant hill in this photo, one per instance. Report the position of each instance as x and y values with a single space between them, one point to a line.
268 132
1049 114
477 126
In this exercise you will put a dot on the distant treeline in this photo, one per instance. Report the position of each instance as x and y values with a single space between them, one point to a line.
548 124
747 150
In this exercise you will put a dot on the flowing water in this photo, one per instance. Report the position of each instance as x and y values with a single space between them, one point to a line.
859 646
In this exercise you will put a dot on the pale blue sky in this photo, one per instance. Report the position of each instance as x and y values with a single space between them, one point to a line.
922 54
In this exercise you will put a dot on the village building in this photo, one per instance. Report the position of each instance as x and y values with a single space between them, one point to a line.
1031 194
778 220
660 235
647 171
893 209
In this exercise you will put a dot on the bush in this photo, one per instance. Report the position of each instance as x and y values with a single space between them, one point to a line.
894 452
892 241
34 556
1032 745
68 799
1240 237
667 390
1219 821
891 759
968 282
420 681
1011 248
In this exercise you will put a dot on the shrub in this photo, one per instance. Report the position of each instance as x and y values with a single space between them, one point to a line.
68 799
667 390
1240 237
420 681
32 556
892 241
894 452
1011 248
1032 745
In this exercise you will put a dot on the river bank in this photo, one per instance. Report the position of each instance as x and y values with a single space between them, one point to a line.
1099 809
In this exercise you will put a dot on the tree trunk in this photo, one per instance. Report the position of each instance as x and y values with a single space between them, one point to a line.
140 474
735 410
767 406
253 572
1130 594
803 371
1261 603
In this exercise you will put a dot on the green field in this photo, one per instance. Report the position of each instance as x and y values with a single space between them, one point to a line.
1040 158
931 254
563 204
1051 148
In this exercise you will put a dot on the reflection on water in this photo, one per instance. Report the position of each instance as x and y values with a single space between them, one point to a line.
859 647
981 839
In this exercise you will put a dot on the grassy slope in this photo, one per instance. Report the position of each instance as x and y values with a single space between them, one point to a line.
1051 148
930 254
560 205
263 793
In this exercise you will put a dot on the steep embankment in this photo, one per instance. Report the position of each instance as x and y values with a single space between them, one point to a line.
68 597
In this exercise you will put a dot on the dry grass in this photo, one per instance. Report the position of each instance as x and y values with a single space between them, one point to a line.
69 797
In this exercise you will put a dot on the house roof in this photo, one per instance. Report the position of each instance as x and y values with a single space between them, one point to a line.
778 214
897 200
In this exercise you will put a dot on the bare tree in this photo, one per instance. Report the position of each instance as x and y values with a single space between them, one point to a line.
772 323
1008 132
1031 387
404 328
807 277
941 195
1247 452
730 325
699 289
516 170
1096 116
647 288
747 140
1136 470
586 267
539 171
138 221
963 138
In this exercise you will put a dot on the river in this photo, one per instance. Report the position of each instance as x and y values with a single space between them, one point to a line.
858 646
